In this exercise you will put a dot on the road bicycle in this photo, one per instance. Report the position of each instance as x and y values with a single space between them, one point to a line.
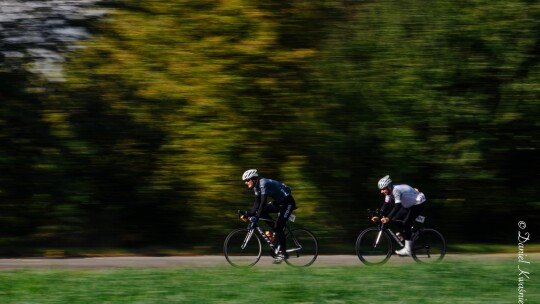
374 245
243 247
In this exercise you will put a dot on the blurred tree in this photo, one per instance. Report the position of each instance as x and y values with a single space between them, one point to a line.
169 102
423 86
181 104
33 203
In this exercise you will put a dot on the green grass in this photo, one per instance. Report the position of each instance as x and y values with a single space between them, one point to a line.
489 248
448 282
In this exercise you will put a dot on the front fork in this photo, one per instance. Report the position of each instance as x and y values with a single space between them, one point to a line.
381 231
378 238
247 238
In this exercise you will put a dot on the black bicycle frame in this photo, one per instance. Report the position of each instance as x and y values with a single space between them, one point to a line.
252 227
382 230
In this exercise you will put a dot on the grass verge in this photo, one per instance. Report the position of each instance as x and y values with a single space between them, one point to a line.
448 282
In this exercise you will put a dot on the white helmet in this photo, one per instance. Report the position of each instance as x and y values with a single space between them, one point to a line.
251 173
384 182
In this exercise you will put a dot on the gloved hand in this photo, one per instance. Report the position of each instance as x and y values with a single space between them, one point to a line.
242 215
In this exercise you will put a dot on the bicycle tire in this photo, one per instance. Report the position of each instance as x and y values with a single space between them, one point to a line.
238 256
369 253
302 247
429 246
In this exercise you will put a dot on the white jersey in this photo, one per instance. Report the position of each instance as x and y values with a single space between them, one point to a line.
405 195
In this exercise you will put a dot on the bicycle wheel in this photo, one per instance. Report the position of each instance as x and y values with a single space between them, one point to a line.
242 248
373 246
428 246
302 247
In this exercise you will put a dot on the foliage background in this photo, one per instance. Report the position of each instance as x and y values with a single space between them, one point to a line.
143 140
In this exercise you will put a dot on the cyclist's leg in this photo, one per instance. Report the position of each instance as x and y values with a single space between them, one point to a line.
285 211
399 218
270 208
408 222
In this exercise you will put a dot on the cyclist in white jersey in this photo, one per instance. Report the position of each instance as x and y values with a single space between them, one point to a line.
408 205
283 204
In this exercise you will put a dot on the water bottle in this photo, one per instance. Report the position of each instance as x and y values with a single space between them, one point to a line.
271 236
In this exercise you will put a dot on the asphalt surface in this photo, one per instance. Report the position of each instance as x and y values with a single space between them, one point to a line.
217 260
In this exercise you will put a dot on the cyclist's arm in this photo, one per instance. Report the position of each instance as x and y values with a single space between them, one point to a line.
262 204
255 208
385 208
383 211
394 211
258 206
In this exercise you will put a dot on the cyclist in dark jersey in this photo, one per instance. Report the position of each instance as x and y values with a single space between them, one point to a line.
283 204
408 205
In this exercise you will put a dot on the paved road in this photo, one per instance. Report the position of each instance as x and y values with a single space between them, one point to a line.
208 261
